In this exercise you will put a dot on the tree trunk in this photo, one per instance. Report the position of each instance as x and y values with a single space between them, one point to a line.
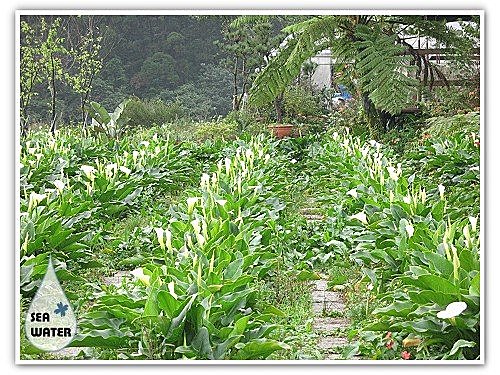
373 116
278 106
52 84
235 85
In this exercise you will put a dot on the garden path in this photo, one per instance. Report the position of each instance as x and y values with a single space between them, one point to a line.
328 306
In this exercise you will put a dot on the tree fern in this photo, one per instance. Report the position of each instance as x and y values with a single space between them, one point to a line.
370 51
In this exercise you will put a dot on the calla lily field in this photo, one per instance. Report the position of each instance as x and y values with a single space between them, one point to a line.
249 189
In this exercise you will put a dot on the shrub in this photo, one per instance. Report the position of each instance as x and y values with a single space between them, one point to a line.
216 130
350 115
298 101
453 100
150 112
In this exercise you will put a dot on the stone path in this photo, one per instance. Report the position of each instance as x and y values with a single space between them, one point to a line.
329 322
328 307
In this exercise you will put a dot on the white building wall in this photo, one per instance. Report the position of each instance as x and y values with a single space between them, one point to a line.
322 74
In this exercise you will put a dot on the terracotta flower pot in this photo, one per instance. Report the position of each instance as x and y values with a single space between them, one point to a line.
282 130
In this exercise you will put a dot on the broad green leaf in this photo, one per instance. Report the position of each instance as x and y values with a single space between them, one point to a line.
475 286
461 344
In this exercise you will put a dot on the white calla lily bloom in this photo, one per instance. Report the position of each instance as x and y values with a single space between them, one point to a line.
361 216
393 174
125 170
191 203
88 170
353 193
441 191
168 242
452 310
170 286
139 274
409 230
473 223
159 235
59 185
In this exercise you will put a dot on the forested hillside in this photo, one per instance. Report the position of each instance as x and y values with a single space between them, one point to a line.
172 58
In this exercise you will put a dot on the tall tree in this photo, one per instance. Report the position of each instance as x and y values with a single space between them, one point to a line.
85 48
30 74
246 46
52 50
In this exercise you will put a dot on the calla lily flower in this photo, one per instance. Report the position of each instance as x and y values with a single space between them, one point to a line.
159 235
170 286
393 173
361 216
473 223
125 170
452 310
441 191
88 170
353 193
409 229
139 274
59 185
191 203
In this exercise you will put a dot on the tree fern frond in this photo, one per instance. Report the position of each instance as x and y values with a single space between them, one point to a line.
382 69
310 37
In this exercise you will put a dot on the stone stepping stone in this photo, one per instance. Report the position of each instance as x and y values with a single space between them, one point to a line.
330 343
329 325
320 284
333 306
318 295
326 296
332 297
318 308
311 217
116 279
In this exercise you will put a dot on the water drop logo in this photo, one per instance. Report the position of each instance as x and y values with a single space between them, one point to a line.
50 322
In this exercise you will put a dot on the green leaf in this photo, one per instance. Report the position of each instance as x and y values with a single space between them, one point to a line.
461 344
201 343
475 285
258 349
307 275
396 308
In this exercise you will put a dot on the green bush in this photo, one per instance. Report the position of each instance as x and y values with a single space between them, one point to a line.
453 100
298 101
216 130
350 115
450 126
150 112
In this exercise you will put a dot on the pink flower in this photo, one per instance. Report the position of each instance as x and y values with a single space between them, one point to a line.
405 355
388 335
389 344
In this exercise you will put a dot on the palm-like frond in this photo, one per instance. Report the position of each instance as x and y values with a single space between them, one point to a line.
383 70
304 40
